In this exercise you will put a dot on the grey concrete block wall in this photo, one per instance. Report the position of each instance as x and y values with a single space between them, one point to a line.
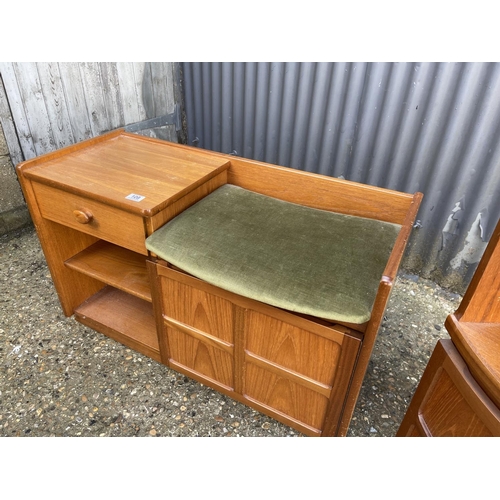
13 210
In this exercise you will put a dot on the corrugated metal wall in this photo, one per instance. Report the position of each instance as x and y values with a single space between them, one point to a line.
429 127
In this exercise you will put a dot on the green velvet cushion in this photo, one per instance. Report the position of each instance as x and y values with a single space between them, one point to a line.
297 258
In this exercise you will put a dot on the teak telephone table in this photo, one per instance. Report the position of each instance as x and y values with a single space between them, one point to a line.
94 205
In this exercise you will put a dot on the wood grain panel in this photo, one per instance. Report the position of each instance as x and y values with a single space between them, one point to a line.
16 107
414 432
448 401
185 202
112 95
447 413
481 302
143 88
296 377
110 169
34 104
202 357
128 91
74 94
285 396
57 110
163 88
325 193
479 345
7 122
59 243
291 347
196 308
94 98
336 332
198 334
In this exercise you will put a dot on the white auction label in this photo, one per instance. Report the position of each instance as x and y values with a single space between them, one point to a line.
135 197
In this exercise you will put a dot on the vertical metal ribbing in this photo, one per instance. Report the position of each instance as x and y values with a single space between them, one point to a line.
216 108
227 108
249 112
207 93
429 127
288 113
238 107
335 104
188 99
198 107
303 114
262 100
274 111
319 96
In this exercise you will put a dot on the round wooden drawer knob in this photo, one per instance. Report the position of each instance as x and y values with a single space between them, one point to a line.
83 216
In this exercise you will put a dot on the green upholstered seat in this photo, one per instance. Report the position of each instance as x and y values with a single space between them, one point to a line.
293 257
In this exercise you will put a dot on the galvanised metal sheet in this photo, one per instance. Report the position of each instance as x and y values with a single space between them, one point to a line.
429 127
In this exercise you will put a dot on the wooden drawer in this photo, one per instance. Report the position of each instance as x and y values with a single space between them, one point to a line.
104 222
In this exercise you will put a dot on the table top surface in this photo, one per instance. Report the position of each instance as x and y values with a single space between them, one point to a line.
132 172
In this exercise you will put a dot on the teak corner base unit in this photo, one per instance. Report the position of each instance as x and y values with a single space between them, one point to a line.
459 393
94 205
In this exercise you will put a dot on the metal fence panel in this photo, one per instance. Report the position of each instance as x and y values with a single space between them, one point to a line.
429 127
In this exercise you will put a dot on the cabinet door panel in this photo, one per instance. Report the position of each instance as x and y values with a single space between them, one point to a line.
285 396
202 357
291 347
198 309
447 413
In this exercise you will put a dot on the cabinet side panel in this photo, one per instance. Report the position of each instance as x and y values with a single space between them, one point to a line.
448 401
447 413
59 243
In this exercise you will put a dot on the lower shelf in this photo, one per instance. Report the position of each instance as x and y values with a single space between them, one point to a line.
114 265
123 317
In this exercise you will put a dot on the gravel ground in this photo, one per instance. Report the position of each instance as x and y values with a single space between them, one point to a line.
60 378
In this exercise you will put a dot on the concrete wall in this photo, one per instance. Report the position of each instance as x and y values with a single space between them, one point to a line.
13 210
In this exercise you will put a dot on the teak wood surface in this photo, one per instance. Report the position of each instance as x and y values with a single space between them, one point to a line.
475 325
448 401
306 372
284 365
459 393
111 167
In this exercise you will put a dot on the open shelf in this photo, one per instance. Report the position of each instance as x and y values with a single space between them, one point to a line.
115 266
124 318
